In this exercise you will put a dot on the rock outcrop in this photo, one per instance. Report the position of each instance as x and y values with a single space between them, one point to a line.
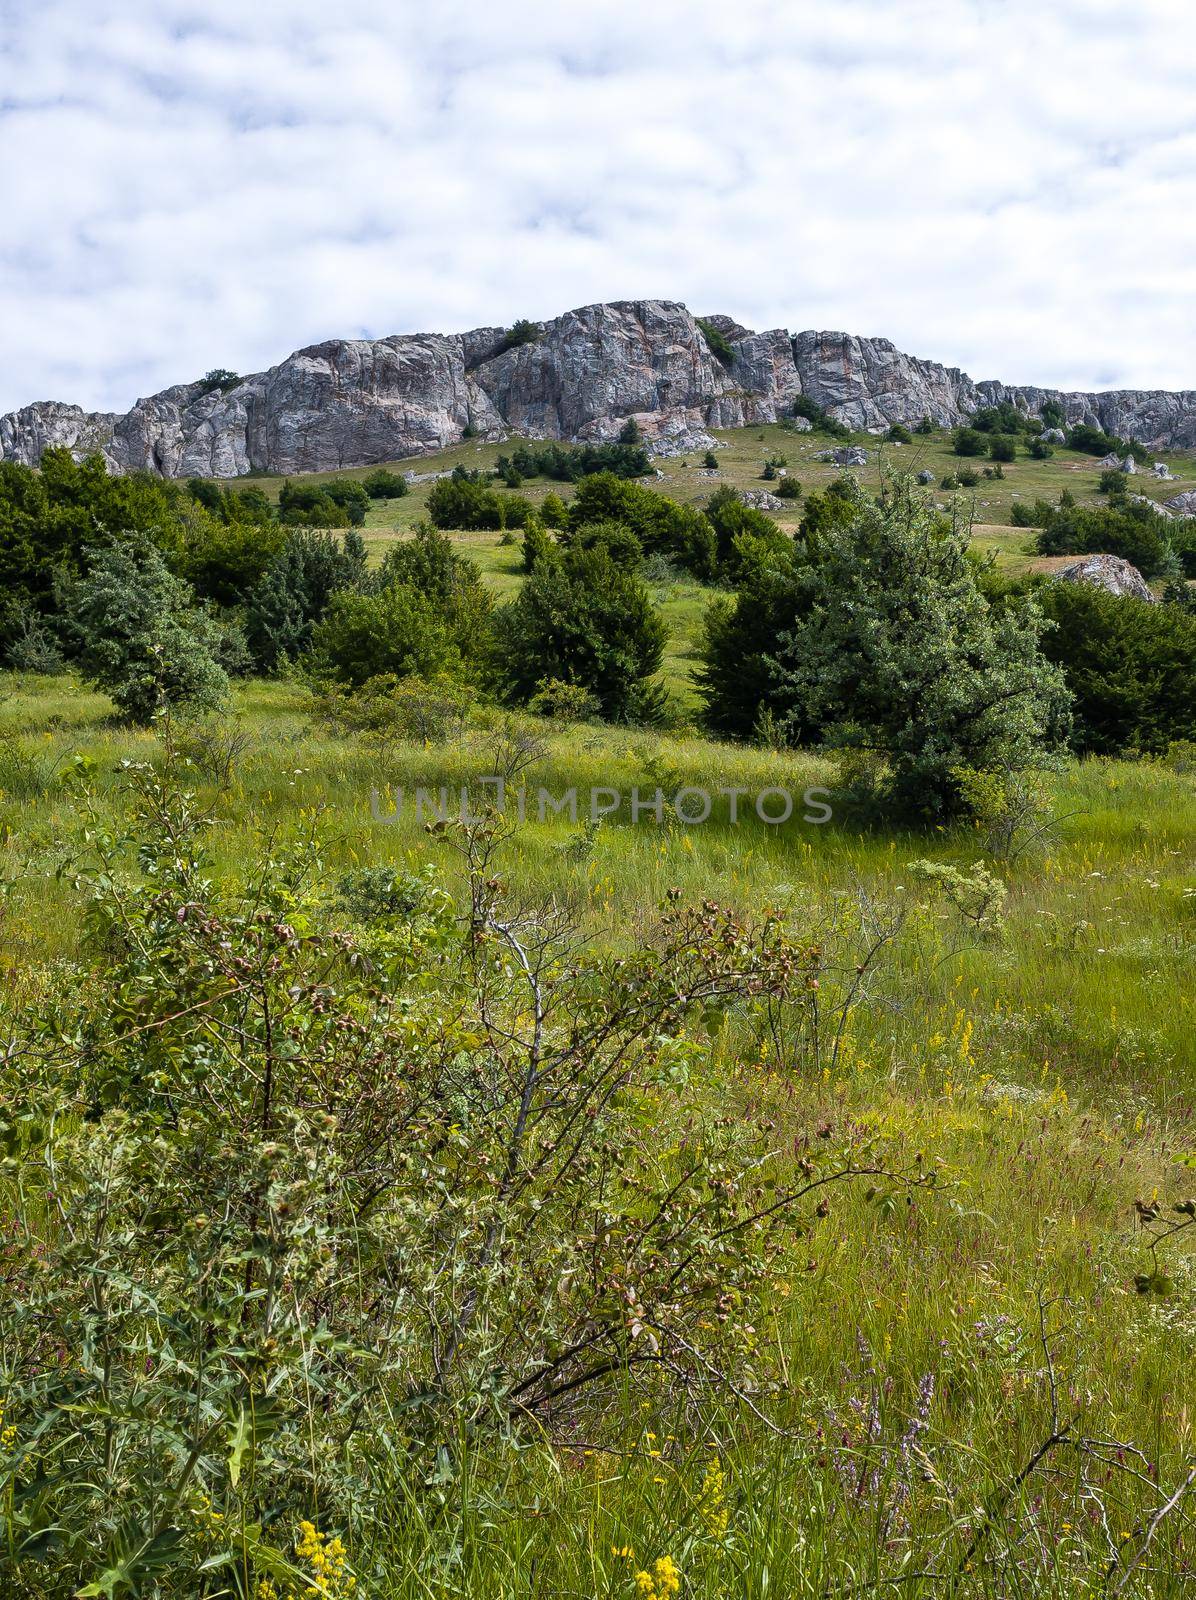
351 402
1110 573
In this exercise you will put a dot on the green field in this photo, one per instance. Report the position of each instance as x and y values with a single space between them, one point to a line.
1047 1073
975 1386
743 451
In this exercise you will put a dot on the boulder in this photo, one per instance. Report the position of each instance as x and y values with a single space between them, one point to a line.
761 500
1182 505
1053 436
1107 572
852 455
926 476
802 425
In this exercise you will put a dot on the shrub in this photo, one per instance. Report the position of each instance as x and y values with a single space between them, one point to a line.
519 333
620 544
583 620
976 895
221 378
553 511
819 418
334 504
1002 447
294 593
538 546
382 484
388 709
626 458
789 488
276 1198
630 434
1130 529
224 560
1004 418
967 477
899 434
460 502
394 630
564 702
32 647
886 643
140 636
925 427
1130 667
1114 481
1052 415
1040 450
970 442
710 461
51 518
717 342
660 524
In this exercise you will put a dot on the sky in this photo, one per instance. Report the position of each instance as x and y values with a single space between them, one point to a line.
1008 186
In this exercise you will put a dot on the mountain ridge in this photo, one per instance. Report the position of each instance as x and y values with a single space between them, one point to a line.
352 402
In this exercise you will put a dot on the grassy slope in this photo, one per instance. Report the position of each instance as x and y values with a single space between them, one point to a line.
741 456
1051 1073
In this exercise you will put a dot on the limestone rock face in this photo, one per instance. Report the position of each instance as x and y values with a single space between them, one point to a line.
593 368
351 402
24 434
869 383
1108 572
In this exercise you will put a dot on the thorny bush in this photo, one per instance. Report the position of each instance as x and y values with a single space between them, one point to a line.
294 1208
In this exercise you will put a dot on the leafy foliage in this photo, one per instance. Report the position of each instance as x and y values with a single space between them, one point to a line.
294 593
717 342
1130 667
660 524
568 463
381 1184
1132 529
462 502
140 636
583 618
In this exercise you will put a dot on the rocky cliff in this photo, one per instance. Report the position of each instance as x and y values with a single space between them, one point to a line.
351 402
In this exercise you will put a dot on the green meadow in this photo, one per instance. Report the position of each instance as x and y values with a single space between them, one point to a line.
970 1387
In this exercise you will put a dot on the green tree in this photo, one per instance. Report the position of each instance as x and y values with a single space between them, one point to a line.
1002 447
394 629
582 619
296 590
970 442
894 651
659 523
1130 665
141 638
382 484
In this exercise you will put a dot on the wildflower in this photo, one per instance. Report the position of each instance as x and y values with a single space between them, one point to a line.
661 1583
712 1500
330 1576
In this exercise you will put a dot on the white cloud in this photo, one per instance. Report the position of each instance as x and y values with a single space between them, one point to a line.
1006 186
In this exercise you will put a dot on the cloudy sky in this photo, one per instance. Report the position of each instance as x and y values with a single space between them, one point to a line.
1004 185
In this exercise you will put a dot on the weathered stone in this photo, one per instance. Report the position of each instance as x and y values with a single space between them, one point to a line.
761 500
1110 573
926 476
1053 436
353 402
1182 505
